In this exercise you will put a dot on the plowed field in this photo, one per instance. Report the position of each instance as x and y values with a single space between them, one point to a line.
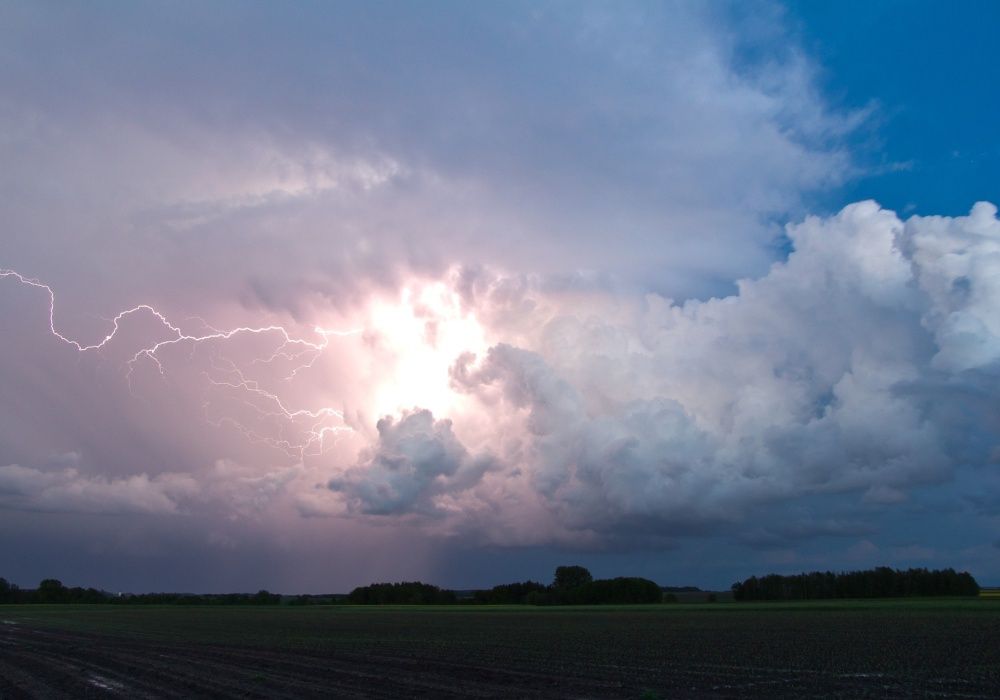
861 650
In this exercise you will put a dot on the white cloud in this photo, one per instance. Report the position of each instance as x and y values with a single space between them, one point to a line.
415 460
957 265
821 378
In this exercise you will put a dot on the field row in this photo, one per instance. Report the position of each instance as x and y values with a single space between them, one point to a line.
710 651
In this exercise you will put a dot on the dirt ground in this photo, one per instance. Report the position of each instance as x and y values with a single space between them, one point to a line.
163 653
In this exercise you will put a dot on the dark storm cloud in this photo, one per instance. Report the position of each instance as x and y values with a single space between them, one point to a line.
591 182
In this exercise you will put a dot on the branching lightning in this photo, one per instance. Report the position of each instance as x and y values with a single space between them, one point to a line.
304 432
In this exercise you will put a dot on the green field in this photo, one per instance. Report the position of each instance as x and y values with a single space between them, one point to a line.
895 648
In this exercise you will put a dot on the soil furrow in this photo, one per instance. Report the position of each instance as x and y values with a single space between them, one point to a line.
347 653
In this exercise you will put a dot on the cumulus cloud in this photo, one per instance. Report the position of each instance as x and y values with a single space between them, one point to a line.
854 372
67 485
836 374
69 491
414 460
956 263
820 395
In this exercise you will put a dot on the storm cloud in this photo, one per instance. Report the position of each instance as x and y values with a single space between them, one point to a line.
466 278
840 372
413 461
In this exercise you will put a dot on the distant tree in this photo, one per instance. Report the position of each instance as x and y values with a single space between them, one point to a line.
570 577
509 593
263 597
51 590
615 591
543 597
8 591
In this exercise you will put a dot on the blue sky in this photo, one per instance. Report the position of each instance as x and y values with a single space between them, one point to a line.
460 292
928 68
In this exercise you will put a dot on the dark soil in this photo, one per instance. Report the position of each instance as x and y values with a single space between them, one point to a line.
352 653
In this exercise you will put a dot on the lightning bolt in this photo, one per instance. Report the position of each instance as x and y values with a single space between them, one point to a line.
305 431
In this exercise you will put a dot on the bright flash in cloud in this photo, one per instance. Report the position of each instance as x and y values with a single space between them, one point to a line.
421 336
345 280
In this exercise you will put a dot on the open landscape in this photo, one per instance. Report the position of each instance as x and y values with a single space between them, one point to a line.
886 648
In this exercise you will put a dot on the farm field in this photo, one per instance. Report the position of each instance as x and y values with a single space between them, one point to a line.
940 648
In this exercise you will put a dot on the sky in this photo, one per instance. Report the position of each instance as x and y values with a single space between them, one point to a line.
306 296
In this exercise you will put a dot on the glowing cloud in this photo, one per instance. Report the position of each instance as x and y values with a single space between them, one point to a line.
815 380
421 336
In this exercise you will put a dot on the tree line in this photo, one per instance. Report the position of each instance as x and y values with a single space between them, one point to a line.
405 593
881 582
572 585
52 590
